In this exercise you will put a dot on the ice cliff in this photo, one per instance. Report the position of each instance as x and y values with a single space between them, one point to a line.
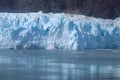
58 31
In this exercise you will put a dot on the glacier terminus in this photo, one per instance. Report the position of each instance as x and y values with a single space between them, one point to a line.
58 31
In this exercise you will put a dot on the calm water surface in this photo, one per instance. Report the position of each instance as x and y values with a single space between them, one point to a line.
59 65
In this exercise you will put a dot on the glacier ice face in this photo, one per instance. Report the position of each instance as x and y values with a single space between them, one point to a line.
57 31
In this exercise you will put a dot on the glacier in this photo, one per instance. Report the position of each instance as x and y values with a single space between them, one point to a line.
58 31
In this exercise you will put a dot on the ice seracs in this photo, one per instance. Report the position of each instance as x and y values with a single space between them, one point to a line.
57 31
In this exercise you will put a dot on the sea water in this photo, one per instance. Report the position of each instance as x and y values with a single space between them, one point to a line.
59 65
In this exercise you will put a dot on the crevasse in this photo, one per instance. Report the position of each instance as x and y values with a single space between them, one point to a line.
58 31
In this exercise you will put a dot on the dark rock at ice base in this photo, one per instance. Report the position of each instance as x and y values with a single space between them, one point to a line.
97 8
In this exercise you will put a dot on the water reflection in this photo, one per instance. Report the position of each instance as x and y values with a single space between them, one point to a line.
47 67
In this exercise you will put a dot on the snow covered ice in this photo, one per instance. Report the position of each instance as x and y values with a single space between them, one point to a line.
58 31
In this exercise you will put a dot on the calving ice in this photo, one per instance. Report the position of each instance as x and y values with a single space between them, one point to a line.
57 31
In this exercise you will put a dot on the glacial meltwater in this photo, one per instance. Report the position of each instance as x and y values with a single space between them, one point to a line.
59 65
